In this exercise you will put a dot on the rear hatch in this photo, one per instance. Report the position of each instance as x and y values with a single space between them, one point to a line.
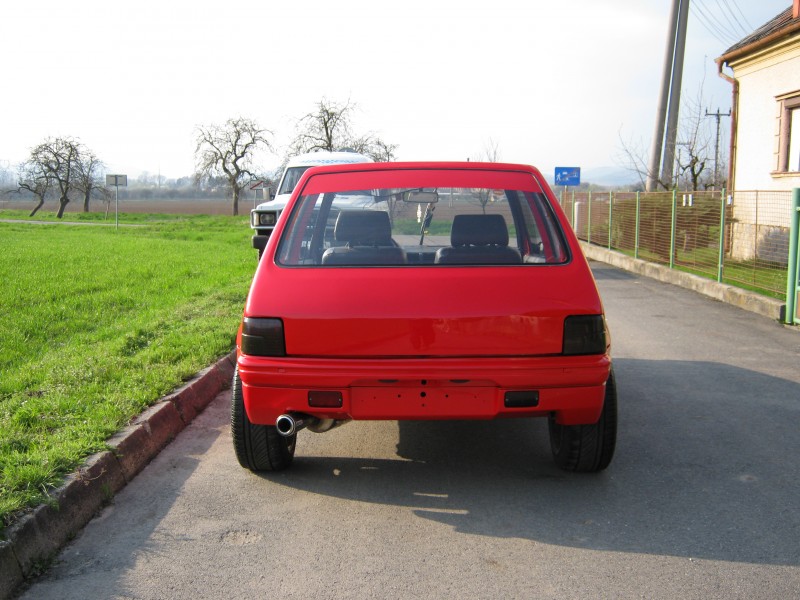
380 312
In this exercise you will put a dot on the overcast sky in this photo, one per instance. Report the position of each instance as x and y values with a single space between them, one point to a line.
549 83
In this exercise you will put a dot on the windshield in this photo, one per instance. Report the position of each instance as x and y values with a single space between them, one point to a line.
290 179
422 226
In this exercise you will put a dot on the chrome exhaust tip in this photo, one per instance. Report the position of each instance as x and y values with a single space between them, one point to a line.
287 425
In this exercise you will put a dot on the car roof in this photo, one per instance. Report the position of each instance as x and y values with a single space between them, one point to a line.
370 170
326 158
426 165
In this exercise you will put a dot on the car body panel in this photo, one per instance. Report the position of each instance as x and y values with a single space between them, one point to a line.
516 311
423 342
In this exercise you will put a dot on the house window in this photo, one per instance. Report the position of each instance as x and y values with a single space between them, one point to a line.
789 156
793 150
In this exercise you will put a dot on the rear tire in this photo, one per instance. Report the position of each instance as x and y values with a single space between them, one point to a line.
258 447
587 448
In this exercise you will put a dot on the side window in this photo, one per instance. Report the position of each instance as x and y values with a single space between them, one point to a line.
304 238
544 233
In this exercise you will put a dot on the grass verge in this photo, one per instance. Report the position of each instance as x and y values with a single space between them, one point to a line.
97 323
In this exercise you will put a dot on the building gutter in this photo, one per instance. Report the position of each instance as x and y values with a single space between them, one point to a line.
734 122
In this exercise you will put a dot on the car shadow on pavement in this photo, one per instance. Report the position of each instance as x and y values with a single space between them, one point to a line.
706 467
604 271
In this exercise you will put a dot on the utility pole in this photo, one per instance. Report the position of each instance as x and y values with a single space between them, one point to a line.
668 163
661 113
718 115
669 97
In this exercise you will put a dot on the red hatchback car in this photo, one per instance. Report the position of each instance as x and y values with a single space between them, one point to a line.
423 291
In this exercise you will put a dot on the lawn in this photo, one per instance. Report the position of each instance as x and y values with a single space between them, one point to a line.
97 323
766 279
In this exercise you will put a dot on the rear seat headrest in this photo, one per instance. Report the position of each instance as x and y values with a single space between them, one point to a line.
479 230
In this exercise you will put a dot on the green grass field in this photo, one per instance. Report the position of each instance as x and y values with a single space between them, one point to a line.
97 323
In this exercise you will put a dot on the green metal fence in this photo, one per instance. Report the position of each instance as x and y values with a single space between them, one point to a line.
741 239
792 316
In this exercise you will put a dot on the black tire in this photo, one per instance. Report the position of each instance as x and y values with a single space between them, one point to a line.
587 448
258 447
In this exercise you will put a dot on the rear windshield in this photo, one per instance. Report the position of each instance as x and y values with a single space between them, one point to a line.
422 226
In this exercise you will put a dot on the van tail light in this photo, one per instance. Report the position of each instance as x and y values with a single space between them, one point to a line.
263 337
584 334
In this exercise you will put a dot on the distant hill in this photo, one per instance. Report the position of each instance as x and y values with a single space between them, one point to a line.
609 176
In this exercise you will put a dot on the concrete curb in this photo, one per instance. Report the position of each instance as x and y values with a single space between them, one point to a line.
768 307
34 538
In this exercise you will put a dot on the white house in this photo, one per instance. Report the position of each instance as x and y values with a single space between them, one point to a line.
764 71
765 132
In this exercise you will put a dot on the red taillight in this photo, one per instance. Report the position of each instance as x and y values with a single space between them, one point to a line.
584 334
263 337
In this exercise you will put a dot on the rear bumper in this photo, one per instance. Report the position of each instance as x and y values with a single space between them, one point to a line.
572 388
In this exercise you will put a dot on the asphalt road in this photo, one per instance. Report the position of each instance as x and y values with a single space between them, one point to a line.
702 499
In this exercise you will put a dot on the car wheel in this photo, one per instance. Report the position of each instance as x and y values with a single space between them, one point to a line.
587 448
258 447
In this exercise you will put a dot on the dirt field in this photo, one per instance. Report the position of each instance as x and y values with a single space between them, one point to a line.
199 206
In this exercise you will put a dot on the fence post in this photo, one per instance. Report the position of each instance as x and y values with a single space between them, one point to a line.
610 216
672 228
792 283
589 218
636 240
575 219
721 259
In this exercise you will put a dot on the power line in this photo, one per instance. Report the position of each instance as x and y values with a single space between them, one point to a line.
722 21
749 27
719 26
731 18
711 26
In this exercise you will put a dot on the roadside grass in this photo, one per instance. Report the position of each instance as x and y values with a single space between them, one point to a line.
764 279
98 323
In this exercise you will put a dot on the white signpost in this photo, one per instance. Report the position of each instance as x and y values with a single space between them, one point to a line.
116 181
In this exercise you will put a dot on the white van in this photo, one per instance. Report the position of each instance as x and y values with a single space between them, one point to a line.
264 216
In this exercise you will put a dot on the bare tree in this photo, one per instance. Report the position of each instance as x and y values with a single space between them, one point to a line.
88 176
52 164
375 148
329 128
227 150
695 151
32 178
381 151
491 151
633 157
7 178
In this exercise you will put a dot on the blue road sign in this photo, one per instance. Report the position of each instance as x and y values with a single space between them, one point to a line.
568 176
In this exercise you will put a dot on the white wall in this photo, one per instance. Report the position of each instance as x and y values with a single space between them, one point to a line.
760 82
